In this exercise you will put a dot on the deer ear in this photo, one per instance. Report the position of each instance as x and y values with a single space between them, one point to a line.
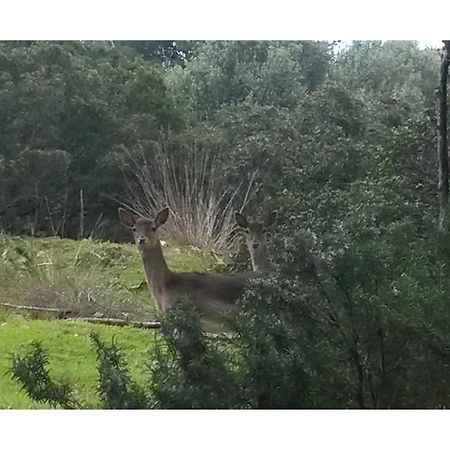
127 218
161 217
241 220
270 219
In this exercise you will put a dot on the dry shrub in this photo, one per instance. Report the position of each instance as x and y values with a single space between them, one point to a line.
84 284
191 184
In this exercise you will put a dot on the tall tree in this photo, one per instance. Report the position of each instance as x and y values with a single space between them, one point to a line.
442 139
163 52
68 109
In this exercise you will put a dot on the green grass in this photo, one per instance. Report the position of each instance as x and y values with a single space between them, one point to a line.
72 357
86 276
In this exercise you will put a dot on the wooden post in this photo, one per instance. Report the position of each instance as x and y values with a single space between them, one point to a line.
442 156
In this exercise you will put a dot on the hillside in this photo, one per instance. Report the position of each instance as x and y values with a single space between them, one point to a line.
86 277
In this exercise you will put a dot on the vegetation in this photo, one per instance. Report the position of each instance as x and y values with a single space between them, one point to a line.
71 358
342 144
85 277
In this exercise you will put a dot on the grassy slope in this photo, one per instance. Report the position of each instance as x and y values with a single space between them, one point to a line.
65 273
84 276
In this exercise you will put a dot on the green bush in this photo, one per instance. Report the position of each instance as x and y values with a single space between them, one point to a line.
31 372
190 369
116 389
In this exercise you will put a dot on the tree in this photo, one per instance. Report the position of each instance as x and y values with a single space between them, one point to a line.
68 111
442 152
163 52
222 73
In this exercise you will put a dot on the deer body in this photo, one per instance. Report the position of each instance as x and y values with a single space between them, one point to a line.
211 293
255 236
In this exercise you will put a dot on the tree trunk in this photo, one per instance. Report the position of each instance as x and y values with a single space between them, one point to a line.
442 140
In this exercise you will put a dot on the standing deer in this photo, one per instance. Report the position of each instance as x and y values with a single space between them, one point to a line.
255 236
212 293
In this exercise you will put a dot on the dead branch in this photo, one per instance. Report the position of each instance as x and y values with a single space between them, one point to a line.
116 322
60 312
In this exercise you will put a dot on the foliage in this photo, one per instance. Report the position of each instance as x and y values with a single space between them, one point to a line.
31 372
71 357
116 389
85 277
276 372
342 145
317 338
164 52
67 108
188 369
271 73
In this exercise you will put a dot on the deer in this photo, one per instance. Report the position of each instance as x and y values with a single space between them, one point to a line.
212 294
255 236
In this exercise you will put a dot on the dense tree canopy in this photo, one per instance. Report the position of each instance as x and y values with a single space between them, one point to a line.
66 109
292 115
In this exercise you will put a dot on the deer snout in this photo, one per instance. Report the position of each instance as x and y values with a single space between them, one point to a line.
255 245
142 240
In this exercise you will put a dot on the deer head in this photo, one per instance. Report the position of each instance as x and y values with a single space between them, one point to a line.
145 230
256 239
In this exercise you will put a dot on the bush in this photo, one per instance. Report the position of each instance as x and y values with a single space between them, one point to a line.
190 369
116 389
189 181
31 372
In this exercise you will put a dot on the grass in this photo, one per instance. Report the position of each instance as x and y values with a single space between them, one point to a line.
88 277
85 276
72 357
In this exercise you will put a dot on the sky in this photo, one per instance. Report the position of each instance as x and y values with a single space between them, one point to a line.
434 43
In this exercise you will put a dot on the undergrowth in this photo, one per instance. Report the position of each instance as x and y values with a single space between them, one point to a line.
85 277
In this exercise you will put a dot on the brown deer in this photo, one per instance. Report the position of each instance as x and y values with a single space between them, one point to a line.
256 239
212 293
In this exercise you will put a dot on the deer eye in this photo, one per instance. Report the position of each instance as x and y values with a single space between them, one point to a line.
134 228
153 228
264 230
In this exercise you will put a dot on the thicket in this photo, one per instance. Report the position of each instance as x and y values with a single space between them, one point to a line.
342 145
68 111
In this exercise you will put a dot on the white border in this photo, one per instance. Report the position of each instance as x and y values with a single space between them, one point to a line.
224 429
178 19
231 19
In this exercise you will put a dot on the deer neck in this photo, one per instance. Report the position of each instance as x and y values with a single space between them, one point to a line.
261 259
155 267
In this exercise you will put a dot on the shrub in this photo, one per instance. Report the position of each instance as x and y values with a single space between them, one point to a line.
190 369
116 389
202 205
31 372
